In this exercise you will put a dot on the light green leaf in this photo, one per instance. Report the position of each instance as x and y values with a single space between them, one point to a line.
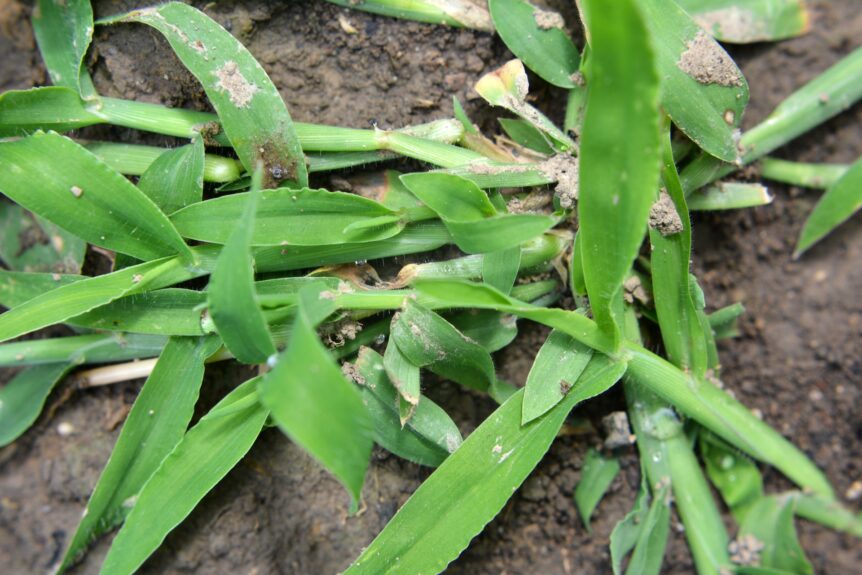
428 340
652 538
627 531
81 349
176 178
734 475
750 21
702 88
154 426
249 106
524 134
29 243
22 398
828 512
70 300
618 176
723 322
233 302
427 438
403 374
57 108
168 311
559 364
490 329
836 206
64 31
206 453
539 38
292 217
500 268
770 522
473 484
729 196
316 407
597 475
59 180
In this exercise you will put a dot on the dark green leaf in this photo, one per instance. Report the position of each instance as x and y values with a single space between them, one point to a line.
835 207
176 178
81 349
526 135
55 108
64 31
30 244
734 475
596 477
557 368
490 329
22 398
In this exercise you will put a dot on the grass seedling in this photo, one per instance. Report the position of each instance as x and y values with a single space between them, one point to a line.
296 281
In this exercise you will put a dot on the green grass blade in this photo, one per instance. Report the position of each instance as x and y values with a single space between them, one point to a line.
56 178
537 37
206 453
316 407
232 299
135 160
750 21
22 398
770 522
71 300
56 108
734 475
81 349
836 206
558 366
726 417
729 196
670 257
155 425
597 475
830 513
50 249
176 178
168 311
627 531
800 173
651 540
472 485
64 32
250 109
618 176
403 374
500 268
702 88
490 329
427 438
291 217
723 321
469 215
524 134
428 340
460 13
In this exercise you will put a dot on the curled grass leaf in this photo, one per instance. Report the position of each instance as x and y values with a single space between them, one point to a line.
59 180
155 425
472 485
249 107
205 454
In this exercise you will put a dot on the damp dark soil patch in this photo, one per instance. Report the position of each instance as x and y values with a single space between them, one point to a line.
797 362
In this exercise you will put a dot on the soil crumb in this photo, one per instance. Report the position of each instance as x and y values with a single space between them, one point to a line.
706 62
617 430
663 216
745 550
548 19
563 169
733 23
239 90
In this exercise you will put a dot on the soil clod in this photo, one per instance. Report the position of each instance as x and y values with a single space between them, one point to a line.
705 61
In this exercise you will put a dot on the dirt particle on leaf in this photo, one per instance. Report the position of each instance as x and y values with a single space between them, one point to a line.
76 191
137 278
239 90
745 550
729 116
547 19
663 216
565 387
563 169
733 23
705 61
351 372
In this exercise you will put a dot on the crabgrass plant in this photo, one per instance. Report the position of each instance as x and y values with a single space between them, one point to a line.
652 122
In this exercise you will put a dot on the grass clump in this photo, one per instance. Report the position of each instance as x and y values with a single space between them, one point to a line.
290 283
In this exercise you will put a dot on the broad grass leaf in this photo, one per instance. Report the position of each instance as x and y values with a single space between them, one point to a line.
292 217
428 340
835 207
558 366
770 521
81 349
176 178
29 243
500 268
316 407
465 493
249 107
702 88
64 31
618 175
539 38
155 425
205 454
170 311
597 475
57 108
54 177
233 303
22 398
73 299
751 21
427 438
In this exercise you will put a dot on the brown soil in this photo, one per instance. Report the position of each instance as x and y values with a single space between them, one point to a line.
798 361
